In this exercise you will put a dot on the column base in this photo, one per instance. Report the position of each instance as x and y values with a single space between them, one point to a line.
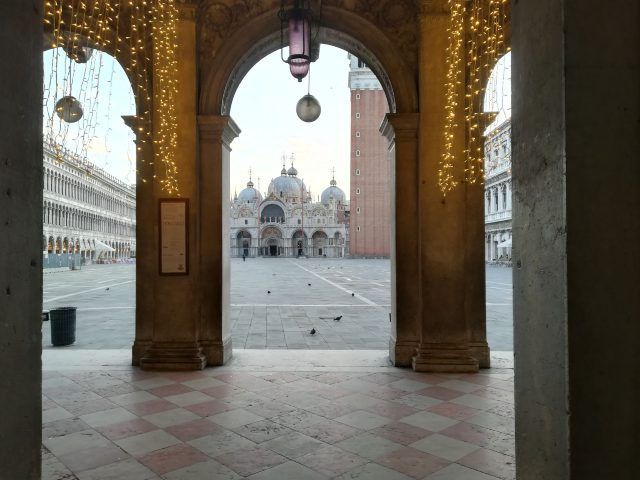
480 351
217 353
445 358
139 350
173 356
402 353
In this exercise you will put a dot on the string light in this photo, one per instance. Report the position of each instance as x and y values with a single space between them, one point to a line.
454 55
121 28
475 39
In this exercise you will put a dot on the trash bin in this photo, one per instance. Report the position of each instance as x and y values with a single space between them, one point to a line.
63 326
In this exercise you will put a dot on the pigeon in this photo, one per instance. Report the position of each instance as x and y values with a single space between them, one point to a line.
268 291
337 319
106 289
353 294
309 284
313 331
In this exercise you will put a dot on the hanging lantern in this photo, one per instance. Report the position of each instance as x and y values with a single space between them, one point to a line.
299 21
69 109
308 108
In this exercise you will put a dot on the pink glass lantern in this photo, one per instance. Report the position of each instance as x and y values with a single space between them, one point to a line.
299 57
298 20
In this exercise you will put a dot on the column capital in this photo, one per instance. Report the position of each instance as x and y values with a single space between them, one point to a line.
133 122
400 126
217 129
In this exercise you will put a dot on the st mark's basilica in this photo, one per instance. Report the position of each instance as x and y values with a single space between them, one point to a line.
287 222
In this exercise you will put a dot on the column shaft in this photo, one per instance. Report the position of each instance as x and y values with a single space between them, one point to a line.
576 234
216 135
402 132
445 333
175 322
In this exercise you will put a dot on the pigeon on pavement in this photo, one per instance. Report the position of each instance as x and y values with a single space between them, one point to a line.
313 331
338 318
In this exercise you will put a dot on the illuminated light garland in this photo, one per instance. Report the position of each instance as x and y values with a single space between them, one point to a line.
97 24
485 46
454 56
165 63
475 37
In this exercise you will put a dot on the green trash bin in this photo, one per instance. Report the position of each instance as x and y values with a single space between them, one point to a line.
63 326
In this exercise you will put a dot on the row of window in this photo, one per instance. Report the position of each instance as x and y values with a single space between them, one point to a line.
64 185
53 214
496 198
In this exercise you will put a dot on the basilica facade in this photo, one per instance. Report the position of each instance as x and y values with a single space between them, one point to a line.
286 222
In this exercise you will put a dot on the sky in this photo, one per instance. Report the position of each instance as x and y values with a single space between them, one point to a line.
263 107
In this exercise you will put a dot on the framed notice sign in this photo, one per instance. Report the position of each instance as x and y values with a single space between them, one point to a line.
174 236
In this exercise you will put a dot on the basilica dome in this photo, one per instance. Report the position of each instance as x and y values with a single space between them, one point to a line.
286 185
332 192
249 194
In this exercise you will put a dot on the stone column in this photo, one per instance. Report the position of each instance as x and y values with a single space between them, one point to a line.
146 258
474 277
215 136
21 231
445 335
402 132
176 319
576 234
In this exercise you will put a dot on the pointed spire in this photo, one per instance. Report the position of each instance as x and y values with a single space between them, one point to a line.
284 168
333 182
250 183
292 171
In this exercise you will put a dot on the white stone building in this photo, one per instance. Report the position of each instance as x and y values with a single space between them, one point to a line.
87 215
497 198
282 224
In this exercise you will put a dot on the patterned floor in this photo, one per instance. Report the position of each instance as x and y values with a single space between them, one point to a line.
229 423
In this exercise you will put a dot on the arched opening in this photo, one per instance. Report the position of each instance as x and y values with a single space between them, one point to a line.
272 213
320 241
498 207
89 169
272 242
243 244
220 80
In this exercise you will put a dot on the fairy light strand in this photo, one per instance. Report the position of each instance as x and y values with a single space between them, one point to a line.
475 41
142 36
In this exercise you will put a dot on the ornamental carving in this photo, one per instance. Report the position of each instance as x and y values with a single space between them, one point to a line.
398 19
217 20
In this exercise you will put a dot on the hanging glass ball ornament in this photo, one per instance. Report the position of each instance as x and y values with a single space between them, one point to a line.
69 109
308 108
78 53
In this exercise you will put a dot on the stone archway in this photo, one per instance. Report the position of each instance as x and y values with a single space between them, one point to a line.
389 47
437 291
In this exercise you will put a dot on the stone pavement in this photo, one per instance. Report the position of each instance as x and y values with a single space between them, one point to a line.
276 415
105 297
